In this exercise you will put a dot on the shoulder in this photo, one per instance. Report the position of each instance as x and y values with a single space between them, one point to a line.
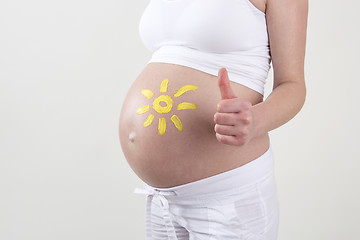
259 4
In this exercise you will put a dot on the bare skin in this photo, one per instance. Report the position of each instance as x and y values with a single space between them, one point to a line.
230 127
287 24
259 4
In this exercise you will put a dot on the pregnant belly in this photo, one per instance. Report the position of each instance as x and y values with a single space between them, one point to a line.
166 126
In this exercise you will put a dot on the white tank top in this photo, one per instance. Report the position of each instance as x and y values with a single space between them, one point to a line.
209 34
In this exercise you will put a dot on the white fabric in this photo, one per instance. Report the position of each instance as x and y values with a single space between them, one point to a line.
151 193
238 204
209 34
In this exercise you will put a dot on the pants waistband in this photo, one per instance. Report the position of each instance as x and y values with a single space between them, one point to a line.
242 176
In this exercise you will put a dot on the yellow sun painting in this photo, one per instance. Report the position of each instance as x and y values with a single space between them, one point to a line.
166 106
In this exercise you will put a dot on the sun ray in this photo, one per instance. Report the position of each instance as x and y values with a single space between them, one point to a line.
162 126
164 85
186 106
147 93
185 89
164 104
177 122
149 120
143 109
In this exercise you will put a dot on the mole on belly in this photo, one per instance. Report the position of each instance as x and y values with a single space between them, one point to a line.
132 136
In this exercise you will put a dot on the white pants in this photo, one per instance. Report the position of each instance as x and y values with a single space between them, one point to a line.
238 204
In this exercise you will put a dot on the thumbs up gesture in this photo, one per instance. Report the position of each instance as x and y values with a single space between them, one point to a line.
234 123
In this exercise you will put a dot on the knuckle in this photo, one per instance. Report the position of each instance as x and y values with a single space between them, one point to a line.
247 119
247 104
238 131
242 131
238 117
240 141
245 131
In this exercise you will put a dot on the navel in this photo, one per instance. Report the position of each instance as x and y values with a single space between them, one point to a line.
132 136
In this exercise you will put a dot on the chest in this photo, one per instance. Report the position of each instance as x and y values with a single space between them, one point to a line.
215 26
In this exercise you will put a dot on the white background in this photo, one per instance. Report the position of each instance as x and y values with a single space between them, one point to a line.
65 67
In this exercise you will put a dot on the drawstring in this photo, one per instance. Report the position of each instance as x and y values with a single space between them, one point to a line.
155 193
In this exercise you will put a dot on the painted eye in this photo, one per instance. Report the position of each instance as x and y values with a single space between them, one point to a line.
164 104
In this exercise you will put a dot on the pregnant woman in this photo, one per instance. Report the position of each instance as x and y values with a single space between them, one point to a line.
194 125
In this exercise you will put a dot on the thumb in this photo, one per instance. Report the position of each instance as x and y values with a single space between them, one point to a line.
224 85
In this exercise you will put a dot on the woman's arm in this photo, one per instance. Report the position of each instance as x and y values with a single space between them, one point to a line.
287 24
237 122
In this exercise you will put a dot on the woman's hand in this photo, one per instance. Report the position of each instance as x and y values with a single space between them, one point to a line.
234 123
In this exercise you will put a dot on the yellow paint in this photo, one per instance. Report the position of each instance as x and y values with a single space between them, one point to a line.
149 120
162 126
166 106
185 89
164 85
167 100
147 93
177 122
186 106
143 109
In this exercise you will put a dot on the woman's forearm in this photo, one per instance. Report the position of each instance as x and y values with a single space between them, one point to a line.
284 102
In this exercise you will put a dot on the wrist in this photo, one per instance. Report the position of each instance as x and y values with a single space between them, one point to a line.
259 119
